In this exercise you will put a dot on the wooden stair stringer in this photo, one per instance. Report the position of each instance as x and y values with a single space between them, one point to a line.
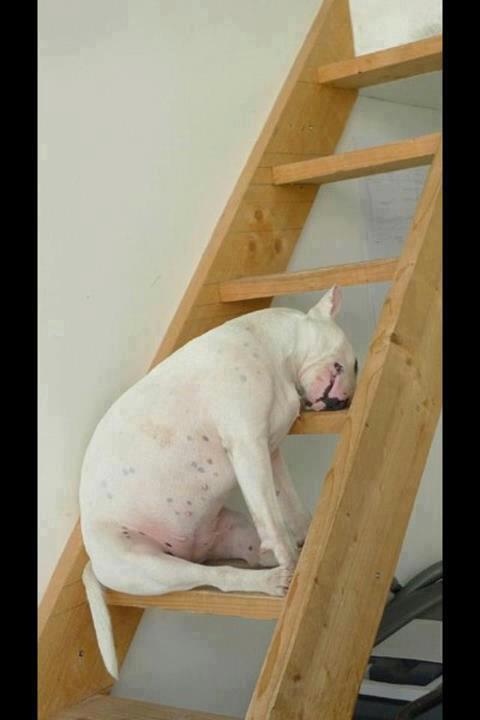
327 627
256 234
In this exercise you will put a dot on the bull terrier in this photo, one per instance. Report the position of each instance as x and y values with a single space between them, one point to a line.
162 461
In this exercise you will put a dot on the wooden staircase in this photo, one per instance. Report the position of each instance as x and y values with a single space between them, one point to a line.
327 623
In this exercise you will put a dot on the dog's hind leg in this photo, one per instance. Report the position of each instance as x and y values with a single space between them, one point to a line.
297 517
238 539
139 567
136 565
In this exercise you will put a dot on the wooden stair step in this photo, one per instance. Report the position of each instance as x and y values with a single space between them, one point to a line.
288 283
205 602
359 163
396 63
104 707
325 422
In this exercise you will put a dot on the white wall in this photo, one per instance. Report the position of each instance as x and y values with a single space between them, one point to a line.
143 106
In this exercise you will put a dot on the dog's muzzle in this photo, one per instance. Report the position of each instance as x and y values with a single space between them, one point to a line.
330 403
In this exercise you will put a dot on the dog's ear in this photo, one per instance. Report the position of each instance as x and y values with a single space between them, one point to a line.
328 306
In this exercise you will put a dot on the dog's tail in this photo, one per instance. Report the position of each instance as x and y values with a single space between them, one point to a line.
101 620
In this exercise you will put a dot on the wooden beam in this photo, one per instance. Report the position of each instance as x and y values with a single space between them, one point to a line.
306 120
325 634
102 707
403 61
205 602
258 286
360 163
70 667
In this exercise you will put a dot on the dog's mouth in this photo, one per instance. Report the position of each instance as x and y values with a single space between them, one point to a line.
330 403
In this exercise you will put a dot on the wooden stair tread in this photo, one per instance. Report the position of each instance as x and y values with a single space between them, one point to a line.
258 286
104 707
325 422
396 63
205 601
412 152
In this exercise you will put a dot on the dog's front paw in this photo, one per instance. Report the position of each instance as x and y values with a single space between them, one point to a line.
277 581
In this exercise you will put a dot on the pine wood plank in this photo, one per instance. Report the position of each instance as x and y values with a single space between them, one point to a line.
248 288
415 58
324 636
205 602
320 423
103 707
360 163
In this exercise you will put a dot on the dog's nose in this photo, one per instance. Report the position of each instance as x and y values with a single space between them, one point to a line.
335 404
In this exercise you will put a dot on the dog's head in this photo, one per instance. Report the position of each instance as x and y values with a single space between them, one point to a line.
327 376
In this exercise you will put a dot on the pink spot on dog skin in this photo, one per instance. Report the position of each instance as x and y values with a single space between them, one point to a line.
188 513
162 434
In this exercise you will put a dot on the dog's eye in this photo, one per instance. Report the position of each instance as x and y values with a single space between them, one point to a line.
338 367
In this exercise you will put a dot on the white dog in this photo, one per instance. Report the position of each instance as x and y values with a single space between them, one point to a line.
164 458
